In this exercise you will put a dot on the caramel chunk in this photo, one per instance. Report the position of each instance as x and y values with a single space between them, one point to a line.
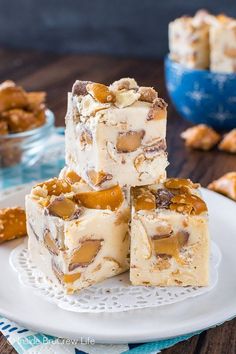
11 96
111 198
179 183
228 143
72 177
158 110
225 185
200 137
144 199
51 187
147 94
100 92
50 243
130 141
65 278
98 178
188 203
170 245
12 223
71 278
85 254
62 207
183 208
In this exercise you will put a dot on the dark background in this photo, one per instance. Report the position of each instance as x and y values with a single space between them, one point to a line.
120 27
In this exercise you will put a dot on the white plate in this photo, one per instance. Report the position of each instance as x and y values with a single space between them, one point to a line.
20 304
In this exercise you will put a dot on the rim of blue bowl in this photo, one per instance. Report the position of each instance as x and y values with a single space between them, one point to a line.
50 119
185 68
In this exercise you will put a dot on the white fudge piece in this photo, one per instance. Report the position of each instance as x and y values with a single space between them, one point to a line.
77 236
116 135
189 40
223 44
169 235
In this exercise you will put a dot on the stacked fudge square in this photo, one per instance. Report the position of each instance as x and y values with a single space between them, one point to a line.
204 41
111 208
222 38
116 135
169 235
189 40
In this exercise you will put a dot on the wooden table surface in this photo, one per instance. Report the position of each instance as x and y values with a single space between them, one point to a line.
55 74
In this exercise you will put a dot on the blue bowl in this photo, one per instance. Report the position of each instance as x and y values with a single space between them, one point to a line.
201 96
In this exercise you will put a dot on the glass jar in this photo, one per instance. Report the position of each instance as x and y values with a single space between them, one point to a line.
25 148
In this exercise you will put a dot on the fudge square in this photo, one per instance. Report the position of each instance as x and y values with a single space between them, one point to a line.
77 236
116 134
189 40
169 235
223 44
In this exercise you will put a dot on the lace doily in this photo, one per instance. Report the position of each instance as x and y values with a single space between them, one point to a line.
112 295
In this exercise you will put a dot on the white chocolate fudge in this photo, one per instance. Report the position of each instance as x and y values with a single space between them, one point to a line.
77 237
223 44
169 235
189 40
116 134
